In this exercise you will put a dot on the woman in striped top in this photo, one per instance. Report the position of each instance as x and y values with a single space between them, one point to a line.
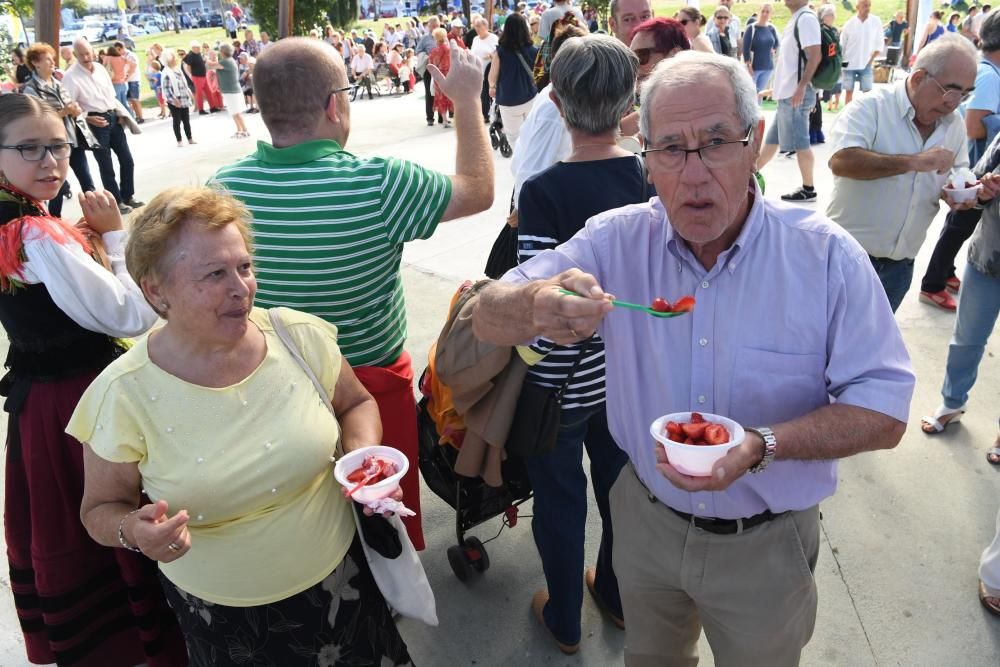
594 82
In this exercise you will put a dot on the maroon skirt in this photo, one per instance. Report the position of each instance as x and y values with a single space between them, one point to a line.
78 603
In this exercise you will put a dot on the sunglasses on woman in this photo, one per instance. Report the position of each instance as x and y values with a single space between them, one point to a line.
645 54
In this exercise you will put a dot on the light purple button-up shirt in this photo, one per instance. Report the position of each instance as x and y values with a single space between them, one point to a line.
792 317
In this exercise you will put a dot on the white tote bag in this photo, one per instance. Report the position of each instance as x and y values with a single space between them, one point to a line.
402 580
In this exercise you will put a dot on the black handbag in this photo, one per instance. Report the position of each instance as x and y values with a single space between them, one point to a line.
503 255
536 418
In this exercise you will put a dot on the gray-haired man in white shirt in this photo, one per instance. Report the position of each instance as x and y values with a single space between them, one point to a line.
892 151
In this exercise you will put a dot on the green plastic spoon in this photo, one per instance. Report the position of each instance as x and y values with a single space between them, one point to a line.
634 306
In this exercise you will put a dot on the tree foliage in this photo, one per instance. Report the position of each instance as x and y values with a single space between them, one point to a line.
79 7
24 8
307 14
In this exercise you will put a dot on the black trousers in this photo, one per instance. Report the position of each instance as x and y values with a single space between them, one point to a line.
428 97
958 227
113 140
181 116
484 96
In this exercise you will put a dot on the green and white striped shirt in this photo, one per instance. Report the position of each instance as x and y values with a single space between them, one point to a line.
329 231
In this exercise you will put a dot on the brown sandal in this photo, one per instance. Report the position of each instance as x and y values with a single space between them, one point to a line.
991 603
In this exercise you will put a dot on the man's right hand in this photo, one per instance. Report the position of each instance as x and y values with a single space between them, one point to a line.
465 78
566 319
97 121
937 159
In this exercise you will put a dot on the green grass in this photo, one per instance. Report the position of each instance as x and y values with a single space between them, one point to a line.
172 40
884 9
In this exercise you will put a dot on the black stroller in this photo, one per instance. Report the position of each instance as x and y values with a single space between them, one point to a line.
497 137
474 502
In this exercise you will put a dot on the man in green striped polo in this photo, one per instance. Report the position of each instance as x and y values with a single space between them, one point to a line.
330 226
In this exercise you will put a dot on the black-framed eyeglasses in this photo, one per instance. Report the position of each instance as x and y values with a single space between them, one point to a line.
36 152
953 95
716 154
338 90
645 54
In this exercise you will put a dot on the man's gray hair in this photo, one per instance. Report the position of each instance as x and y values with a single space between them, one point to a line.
989 33
613 9
226 50
594 80
935 58
688 67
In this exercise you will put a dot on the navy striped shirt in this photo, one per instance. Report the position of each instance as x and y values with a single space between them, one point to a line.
552 207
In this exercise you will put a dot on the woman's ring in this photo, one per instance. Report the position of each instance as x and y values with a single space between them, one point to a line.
173 547
572 330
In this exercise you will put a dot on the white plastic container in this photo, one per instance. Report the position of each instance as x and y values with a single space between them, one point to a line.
351 461
695 460
960 196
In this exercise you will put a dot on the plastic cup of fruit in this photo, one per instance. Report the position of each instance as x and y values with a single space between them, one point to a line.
351 461
963 195
695 460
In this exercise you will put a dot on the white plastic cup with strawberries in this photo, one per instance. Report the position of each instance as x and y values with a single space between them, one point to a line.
962 186
370 475
702 439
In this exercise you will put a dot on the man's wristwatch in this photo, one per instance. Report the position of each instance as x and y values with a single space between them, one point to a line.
770 446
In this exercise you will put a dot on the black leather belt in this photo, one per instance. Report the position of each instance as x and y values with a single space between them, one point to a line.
726 526
712 525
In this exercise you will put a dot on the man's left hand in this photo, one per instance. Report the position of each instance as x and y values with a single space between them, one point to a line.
726 470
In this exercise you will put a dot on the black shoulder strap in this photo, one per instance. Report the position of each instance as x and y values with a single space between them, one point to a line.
572 370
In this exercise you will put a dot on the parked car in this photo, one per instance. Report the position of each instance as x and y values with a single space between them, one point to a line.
70 32
213 20
391 9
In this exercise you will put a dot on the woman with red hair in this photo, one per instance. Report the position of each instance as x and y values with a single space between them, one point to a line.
657 39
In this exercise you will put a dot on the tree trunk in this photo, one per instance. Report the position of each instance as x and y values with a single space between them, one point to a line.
47 22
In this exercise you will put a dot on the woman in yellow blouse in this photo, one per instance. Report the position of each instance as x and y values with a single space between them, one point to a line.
213 419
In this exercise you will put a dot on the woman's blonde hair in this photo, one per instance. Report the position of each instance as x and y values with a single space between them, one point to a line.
440 35
156 226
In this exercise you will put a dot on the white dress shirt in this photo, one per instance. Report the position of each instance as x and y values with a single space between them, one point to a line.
786 75
107 302
860 39
543 141
92 90
889 216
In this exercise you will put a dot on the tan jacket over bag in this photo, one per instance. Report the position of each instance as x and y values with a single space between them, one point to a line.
485 382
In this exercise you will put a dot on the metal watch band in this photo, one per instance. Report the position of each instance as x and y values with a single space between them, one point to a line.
770 445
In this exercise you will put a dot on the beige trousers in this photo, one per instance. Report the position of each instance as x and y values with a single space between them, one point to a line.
753 592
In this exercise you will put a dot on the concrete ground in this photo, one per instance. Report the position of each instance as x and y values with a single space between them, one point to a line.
901 538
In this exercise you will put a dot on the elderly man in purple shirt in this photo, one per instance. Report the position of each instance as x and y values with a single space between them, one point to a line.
792 336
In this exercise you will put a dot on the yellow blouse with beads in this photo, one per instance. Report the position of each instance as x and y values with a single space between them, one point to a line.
251 463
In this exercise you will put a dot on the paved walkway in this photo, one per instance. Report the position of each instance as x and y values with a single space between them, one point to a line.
901 539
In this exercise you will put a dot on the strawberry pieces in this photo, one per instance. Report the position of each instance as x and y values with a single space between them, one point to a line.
698 431
683 305
373 470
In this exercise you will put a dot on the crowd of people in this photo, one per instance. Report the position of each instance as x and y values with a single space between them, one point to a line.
267 310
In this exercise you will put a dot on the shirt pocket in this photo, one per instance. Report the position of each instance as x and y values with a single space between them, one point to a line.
772 387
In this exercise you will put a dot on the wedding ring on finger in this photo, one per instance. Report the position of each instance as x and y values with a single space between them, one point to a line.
572 330
173 547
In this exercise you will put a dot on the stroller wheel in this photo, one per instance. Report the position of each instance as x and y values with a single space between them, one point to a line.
505 149
476 553
459 563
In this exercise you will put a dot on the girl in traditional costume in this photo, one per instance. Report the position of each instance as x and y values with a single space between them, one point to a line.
78 603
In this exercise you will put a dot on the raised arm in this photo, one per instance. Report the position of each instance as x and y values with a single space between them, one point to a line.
472 184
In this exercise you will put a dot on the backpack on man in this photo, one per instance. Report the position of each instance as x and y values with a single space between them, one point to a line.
831 61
